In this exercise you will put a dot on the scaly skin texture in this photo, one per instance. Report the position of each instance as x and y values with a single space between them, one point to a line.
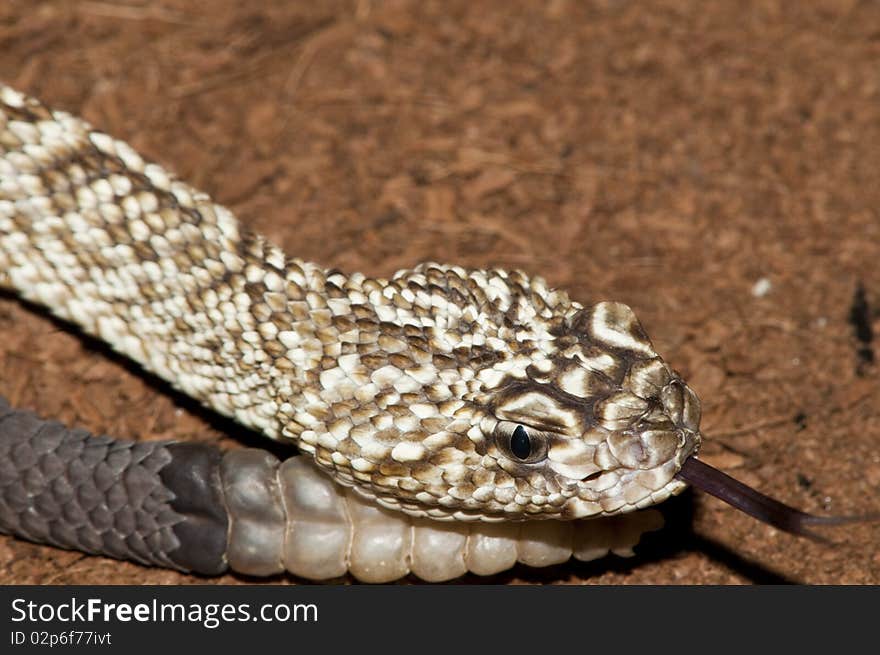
410 390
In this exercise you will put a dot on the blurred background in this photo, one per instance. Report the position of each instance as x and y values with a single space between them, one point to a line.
713 165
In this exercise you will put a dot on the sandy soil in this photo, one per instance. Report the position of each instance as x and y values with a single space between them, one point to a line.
713 165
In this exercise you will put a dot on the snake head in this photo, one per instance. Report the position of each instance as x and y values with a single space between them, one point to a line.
598 424
486 395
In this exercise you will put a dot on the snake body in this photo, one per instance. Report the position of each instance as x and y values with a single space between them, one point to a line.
449 419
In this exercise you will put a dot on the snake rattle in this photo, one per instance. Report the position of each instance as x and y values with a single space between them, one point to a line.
449 420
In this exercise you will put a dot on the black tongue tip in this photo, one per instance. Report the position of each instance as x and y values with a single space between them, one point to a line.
769 510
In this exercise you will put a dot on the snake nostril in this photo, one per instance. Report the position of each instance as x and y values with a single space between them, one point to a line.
593 476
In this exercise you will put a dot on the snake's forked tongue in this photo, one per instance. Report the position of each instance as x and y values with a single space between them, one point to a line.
754 503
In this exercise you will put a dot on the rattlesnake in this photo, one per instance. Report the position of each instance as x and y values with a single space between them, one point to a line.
444 412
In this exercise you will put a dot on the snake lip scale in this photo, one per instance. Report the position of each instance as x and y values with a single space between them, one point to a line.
478 414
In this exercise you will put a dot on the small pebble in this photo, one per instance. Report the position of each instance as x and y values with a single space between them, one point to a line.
761 288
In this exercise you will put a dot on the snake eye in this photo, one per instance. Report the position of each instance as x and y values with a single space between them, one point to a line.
522 444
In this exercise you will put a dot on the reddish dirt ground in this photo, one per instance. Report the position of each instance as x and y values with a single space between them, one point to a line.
669 155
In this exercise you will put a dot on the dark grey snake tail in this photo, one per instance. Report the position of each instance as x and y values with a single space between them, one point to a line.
156 503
